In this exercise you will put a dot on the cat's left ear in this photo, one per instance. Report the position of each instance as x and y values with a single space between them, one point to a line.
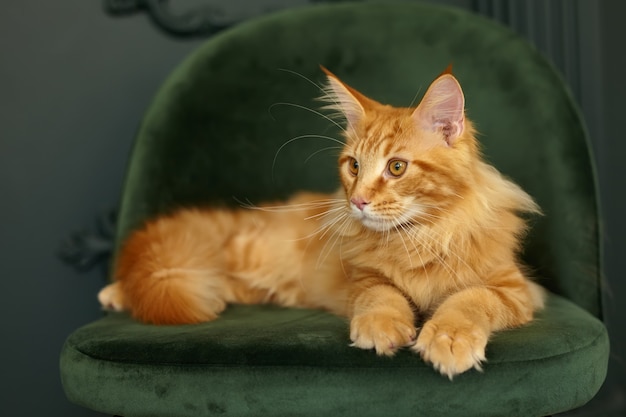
344 98
443 108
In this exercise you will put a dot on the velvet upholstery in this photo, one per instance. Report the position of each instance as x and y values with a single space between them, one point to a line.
212 136
288 362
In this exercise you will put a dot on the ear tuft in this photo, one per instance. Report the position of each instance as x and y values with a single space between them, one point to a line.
442 108
342 98
448 70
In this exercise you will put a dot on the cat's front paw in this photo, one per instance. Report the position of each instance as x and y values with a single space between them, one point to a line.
452 346
384 332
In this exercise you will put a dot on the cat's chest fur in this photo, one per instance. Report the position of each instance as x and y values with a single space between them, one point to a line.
418 270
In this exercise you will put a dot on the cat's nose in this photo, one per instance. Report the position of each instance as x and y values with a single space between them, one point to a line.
359 202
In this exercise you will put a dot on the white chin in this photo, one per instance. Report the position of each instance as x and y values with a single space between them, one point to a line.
376 225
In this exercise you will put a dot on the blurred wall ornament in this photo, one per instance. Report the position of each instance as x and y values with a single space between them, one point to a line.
90 248
205 18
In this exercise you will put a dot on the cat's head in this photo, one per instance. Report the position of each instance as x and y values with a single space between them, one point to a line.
404 165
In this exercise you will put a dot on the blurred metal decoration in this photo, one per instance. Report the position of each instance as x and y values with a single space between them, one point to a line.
88 249
204 20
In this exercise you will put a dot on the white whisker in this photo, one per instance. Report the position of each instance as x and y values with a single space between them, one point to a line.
307 109
292 207
404 244
326 213
332 239
319 87
415 96
321 150
310 136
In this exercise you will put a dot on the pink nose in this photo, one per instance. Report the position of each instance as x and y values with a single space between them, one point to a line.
359 202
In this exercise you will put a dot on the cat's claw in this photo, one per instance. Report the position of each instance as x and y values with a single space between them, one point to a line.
383 333
452 348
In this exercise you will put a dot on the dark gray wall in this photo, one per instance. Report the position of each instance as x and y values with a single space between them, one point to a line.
611 156
73 86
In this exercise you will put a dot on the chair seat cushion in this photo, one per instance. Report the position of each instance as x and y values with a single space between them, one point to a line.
266 360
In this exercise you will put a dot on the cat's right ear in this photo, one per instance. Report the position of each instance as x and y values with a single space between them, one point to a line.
343 98
442 109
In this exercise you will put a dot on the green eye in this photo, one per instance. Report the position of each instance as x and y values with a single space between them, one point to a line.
396 167
353 166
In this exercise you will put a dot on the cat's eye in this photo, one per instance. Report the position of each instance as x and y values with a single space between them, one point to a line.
396 167
353 166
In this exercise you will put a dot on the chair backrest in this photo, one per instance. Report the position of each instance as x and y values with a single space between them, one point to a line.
213 132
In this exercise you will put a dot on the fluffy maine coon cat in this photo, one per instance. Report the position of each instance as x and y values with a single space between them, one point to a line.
421 229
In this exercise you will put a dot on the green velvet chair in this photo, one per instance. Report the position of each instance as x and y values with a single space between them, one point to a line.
211 137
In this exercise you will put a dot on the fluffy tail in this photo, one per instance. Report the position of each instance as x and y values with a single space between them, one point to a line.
169 272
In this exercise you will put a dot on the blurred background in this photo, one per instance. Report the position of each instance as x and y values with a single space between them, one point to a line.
74 83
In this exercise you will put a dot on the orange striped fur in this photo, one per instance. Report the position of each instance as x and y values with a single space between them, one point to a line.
422 230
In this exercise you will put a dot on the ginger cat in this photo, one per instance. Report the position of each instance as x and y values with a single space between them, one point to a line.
421 228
